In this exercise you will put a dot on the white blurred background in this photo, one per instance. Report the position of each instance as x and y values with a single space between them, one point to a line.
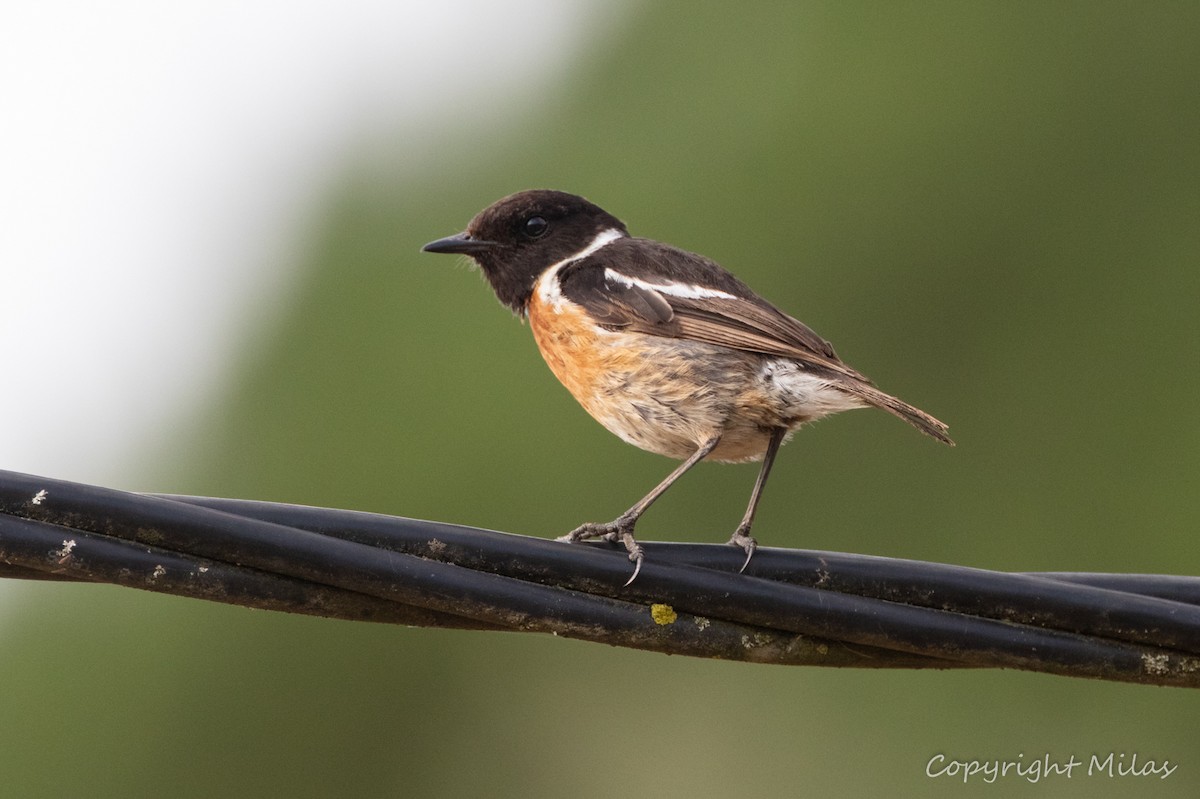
159 162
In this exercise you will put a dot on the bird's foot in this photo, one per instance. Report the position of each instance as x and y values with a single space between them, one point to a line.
621 530
741 538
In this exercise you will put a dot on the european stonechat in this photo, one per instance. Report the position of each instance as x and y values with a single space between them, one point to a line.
663 347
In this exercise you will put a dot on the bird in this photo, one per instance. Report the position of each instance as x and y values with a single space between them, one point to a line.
664 347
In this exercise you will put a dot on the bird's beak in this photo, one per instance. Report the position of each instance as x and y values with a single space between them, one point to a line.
462 243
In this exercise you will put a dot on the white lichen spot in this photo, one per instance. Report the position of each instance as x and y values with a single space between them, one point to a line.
702 623
755 641
1156 664
38 497
63 554
159 571
436 547
202 569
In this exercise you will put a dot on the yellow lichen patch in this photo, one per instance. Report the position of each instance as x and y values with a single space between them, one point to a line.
663 614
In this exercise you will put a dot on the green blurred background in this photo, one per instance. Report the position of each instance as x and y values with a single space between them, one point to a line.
992 209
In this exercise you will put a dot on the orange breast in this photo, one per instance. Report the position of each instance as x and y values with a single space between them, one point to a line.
661 394
570 344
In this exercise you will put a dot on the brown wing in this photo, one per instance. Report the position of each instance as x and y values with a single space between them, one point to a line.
731 316
754 326
686 310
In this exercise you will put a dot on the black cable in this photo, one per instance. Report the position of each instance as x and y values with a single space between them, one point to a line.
791 607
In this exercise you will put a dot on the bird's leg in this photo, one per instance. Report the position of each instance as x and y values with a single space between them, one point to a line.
621 528
741 536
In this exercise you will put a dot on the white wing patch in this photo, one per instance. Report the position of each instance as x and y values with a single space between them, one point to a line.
547 287
685 290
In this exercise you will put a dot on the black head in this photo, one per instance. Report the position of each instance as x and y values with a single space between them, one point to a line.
514 239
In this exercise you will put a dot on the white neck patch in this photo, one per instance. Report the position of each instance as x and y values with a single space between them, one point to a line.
547 287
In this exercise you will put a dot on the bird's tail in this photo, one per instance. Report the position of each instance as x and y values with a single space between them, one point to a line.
897 407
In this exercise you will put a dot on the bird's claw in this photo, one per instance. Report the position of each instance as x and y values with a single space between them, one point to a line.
616 531
583 532
636 556
745 541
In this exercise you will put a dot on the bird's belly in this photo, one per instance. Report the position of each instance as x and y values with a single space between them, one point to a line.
662 394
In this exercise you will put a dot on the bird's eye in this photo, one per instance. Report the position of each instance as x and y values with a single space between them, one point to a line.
535 227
